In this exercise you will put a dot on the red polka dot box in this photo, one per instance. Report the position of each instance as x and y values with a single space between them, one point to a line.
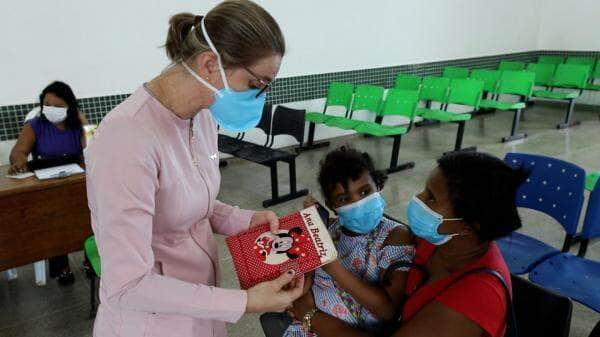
302 244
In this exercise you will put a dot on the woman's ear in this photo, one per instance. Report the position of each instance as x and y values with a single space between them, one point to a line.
206 64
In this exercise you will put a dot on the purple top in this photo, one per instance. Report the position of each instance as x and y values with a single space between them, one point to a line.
51 142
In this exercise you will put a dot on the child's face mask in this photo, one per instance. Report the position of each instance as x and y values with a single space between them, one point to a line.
363 216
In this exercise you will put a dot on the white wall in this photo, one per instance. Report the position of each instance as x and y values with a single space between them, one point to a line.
569 25
112 46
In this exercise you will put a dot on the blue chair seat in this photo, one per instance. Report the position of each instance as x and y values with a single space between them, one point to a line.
522 252
571 276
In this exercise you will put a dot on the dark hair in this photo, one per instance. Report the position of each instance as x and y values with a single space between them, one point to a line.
241 31
63 91
343 164
482 190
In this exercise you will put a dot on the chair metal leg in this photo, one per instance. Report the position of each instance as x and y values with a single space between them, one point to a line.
569 117
394 167
93 304
459 139
310 144
583 247
515 126
276 199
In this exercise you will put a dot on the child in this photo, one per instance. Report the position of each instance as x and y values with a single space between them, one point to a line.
352 288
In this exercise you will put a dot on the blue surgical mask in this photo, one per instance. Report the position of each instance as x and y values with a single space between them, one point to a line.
362 216
236 111
425 222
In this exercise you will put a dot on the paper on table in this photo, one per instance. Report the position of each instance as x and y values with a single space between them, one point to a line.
58 171
20 175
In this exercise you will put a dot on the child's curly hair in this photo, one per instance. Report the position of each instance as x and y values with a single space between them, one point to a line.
343 164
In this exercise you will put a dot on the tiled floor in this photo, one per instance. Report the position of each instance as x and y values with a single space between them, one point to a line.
27 310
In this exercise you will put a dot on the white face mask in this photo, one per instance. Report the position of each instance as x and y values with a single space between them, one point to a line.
55 114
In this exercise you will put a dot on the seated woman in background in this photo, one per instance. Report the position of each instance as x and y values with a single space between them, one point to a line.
467 203
56 133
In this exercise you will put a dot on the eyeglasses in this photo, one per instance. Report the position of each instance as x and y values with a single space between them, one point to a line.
265 84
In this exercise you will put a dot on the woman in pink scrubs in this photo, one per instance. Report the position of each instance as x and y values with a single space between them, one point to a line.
153 179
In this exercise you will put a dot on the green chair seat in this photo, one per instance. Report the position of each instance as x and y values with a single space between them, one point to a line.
555 94
492 104
592 86
91 251
591 180
316 117
378 130
444 116
342 122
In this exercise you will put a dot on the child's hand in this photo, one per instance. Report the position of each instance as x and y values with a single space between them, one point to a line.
309 200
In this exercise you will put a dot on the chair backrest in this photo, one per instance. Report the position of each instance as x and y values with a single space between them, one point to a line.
265 120
554 187
543 72
591 222
400 102
434 89
407 82
288 121
511 65
489 77
455 72
540 312
571 76
596 72
584 61
339 94
556 60
368 97
517 83
465 91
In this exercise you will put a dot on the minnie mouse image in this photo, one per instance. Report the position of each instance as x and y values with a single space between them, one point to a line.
281 247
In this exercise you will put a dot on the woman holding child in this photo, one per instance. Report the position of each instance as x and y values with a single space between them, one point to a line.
457 284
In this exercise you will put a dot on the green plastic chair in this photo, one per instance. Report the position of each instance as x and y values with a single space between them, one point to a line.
399 102
569 76
455 72
555 60
591 180
543 73
338 94
434 89
466 92
91 253
407 82
511 65
584 61
595 75
490 79
366 97
516 83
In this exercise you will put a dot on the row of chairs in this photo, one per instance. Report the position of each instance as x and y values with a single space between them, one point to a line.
367 109
592 63
576 74
556 188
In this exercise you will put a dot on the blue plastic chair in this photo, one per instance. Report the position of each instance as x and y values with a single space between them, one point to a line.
575 276
591 223
554 187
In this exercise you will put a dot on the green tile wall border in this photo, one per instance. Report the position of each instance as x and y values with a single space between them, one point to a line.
296 88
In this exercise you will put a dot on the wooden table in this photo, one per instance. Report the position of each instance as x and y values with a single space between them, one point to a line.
41 219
